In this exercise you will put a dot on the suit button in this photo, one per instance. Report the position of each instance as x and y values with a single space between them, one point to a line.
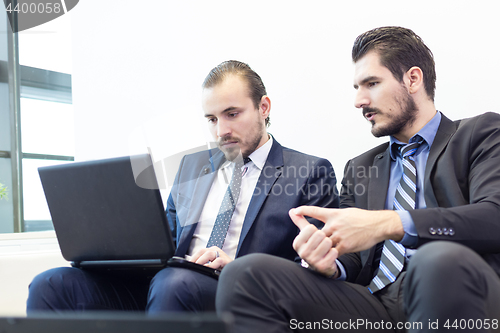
439 231
432 231
451 231
446 231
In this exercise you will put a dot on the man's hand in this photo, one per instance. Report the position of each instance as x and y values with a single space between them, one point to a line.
314 246
354 229
212 257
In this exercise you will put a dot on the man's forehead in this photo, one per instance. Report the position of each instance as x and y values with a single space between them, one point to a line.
368 66
232 92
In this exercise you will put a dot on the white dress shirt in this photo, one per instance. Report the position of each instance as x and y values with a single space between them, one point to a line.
214 199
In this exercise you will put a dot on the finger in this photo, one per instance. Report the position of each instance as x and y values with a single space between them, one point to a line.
318 213
299 220
335 239
303 236
198 254
208 256
329 229
218 263
327 265
315 242
308 249
321 249
342 248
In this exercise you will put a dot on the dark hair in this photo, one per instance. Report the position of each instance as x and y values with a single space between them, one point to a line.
399 49
234 67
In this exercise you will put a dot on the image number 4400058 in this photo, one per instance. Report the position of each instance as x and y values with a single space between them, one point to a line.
26 14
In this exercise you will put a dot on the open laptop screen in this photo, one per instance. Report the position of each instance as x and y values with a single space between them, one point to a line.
100 213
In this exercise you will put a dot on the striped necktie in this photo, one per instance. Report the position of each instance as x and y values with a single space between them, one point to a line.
226 210
393 254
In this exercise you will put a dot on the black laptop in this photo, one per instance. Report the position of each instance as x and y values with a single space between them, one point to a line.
109 214
102 217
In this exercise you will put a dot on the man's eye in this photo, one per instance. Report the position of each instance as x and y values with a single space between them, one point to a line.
372 84
211 120
232 115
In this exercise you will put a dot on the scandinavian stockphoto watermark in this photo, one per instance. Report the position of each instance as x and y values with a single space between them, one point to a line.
26 14
166 168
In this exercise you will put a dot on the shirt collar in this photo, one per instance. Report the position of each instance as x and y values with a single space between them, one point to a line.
428 133
259 156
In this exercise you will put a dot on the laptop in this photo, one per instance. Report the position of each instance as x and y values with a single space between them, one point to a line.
112 322
109 214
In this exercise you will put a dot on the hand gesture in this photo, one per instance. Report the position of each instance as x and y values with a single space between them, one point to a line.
314 246
353 229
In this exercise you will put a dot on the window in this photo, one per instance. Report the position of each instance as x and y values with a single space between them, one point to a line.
39 115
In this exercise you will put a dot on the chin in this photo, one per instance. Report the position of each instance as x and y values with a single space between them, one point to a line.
378 131
231 154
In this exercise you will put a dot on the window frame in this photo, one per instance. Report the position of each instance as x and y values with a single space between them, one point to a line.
27 82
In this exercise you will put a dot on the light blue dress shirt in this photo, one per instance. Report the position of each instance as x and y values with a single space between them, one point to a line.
428 133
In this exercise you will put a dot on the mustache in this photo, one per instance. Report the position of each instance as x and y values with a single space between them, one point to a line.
226 139
370 110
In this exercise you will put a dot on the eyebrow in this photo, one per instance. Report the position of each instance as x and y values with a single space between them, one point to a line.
366 80
226 110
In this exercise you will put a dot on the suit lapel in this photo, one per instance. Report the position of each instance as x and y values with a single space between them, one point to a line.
199 195
445 131
377 193
264 185
379 182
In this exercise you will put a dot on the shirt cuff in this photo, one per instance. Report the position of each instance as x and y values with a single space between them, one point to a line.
341 269
410 239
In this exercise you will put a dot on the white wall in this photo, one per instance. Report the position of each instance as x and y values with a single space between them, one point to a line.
138 67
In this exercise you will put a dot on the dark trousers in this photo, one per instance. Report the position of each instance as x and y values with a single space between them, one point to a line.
169 290
444 282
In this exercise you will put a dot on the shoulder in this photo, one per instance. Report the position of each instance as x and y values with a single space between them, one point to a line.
281 155
485 126
292 156
488 119
368 156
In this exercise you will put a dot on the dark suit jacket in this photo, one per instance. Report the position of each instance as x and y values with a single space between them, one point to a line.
289 179
461 189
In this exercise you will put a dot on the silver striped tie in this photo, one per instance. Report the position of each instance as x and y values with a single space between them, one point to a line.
393 254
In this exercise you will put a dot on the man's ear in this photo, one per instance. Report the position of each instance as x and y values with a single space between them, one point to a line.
415 79
265 106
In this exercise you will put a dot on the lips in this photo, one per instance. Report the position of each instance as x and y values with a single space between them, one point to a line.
369 114
229 143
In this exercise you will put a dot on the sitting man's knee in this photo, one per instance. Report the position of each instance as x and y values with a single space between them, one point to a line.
440 256
251 263
171 278
55 276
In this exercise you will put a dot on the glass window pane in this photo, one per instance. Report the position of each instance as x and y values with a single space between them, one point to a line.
47 127
36 212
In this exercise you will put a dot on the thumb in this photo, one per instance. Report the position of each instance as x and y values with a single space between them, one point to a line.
299 220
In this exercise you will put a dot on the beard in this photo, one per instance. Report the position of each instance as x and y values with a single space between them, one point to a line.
399 121
244 147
